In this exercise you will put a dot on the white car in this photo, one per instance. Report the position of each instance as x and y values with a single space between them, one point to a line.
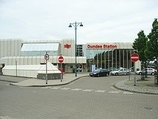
150 71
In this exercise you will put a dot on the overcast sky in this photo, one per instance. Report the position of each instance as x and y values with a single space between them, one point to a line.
103 20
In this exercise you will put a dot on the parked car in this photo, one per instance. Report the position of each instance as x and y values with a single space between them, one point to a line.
99 72
120 71
150 71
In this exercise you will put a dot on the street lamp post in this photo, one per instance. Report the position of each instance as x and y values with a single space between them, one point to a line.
76 24
157 57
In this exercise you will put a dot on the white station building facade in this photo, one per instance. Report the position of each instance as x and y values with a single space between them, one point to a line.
18 53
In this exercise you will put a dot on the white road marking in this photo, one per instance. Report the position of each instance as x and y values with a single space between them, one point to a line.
87 90
64 88
76 89
99 91
114 91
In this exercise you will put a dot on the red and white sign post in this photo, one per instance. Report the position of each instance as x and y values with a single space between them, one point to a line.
46 57
61 59
134 58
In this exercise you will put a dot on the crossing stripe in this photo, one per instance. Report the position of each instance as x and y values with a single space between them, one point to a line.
64 88
114 91
100 91
87 90
76 89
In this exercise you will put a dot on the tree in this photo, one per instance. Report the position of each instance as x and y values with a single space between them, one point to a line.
152 44
139 46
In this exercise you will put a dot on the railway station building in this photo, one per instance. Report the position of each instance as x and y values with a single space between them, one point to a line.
17 52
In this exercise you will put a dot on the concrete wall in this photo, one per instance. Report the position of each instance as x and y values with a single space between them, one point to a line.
10 47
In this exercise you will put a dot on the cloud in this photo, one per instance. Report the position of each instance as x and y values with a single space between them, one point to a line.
103 20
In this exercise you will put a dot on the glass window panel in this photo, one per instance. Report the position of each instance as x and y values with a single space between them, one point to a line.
40 47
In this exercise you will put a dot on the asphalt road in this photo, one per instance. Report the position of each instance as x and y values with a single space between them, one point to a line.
86 98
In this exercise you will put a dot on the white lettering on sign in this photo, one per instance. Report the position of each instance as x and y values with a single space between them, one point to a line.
103 46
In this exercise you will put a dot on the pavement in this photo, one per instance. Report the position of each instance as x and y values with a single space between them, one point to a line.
147 86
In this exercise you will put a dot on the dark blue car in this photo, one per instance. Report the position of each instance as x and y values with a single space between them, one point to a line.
99 72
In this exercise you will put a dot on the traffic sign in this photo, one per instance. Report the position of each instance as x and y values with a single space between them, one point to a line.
134 57
60 59
46 56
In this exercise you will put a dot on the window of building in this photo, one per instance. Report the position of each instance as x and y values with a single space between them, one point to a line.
39 49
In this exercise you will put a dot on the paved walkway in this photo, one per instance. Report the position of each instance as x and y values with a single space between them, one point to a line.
148 86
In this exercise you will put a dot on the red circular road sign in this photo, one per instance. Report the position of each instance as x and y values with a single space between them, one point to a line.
60 59
134 57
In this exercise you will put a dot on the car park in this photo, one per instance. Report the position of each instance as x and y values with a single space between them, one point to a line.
120 71
99 72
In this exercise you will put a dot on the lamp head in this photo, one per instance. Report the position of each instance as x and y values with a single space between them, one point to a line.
70 25
81 24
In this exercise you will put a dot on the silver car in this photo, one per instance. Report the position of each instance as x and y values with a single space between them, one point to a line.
121 71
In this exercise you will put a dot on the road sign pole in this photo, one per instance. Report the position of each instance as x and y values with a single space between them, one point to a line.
61 59
46 73
61 71
129 74
135 80
46 57
134 58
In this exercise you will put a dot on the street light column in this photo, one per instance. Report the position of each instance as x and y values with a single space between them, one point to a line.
157 58
75 49
75 24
